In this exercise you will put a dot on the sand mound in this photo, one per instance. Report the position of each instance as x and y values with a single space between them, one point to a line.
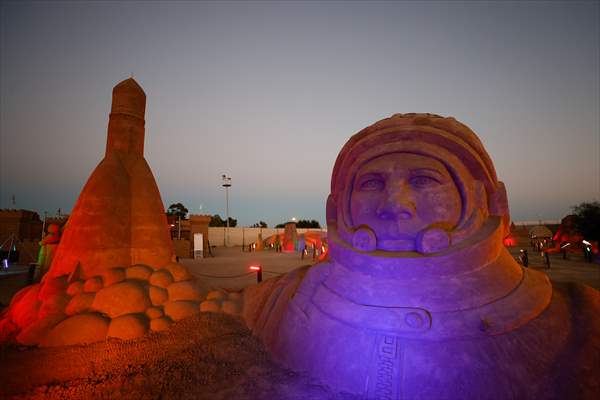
208 356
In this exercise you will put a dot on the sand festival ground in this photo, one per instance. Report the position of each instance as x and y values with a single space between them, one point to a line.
208 356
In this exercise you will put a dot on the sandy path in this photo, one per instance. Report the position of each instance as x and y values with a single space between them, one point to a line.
232 261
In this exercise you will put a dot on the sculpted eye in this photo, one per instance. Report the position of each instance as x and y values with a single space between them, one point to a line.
423 181
372 185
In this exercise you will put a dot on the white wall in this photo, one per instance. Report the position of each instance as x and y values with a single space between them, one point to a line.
244 236
538 222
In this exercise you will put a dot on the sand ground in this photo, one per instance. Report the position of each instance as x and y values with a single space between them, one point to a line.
232 261
208 356
573 269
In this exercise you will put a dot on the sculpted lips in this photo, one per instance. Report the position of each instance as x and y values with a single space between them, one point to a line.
407 244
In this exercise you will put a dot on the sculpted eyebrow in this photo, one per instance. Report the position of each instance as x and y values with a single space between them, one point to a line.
369 175
427 170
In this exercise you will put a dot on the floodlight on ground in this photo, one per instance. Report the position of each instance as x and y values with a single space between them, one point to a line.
258 270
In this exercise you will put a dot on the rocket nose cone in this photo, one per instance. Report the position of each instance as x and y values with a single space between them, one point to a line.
129 98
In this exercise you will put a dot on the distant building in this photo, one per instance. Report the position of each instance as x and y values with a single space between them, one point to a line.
182 233
20 232
59 220
23 224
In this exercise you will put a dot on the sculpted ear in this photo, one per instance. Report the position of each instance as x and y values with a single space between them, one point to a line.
331 209
478 212
498 205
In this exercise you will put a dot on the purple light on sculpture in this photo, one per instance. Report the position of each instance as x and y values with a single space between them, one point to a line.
419 297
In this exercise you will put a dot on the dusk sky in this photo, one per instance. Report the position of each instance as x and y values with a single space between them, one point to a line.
269 92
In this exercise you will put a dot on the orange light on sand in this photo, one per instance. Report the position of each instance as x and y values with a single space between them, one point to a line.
255 267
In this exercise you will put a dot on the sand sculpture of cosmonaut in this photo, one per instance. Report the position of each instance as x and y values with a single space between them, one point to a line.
419 298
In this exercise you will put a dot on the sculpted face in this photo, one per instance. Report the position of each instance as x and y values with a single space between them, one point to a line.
399 195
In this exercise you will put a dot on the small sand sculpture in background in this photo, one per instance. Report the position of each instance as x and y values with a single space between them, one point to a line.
48 247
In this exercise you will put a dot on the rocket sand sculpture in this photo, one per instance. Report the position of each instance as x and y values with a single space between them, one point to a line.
420 299
112 274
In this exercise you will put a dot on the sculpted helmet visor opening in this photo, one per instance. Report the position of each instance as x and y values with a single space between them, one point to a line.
400 195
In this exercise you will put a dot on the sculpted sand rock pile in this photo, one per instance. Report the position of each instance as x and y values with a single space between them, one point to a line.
222 301
419 298
112 275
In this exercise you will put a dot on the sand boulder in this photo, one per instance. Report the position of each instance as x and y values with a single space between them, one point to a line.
216 295
235 296
160 324
80 303
210 306
54 305
128 326
231 307
154 312
161 278
139 271
35 332
157 295
179 272
177 310
78 329
26 307
93 284
125 297
185 290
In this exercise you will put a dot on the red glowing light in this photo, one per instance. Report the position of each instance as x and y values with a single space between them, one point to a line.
255 268
509 242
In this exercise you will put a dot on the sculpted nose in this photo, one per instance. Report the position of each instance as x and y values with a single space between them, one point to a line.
398 203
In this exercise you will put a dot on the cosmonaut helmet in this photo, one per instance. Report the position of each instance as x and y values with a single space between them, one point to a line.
444 139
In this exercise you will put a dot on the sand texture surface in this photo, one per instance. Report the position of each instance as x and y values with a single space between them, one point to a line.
208 356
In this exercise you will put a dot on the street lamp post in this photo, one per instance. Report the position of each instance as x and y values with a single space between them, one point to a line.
226 184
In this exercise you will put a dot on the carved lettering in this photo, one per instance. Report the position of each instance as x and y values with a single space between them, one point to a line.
385 369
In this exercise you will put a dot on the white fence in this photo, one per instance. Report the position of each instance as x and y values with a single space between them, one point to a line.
244 236
537 222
